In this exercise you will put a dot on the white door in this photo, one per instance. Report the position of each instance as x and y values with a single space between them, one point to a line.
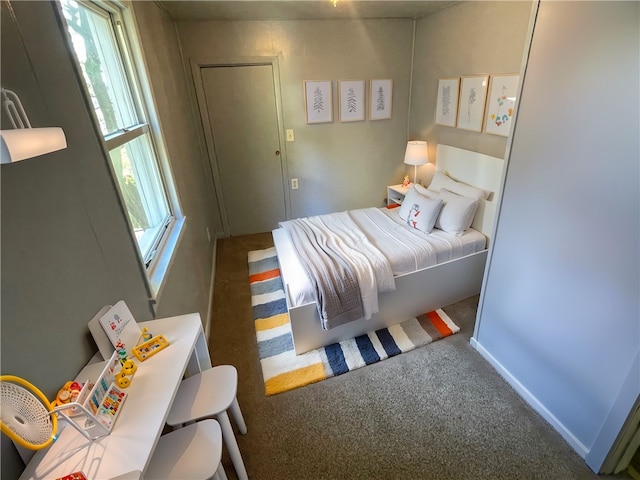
242 113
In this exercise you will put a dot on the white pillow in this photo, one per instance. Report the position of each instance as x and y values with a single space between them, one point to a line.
409 199
457 212
420 211
441 180
423 213
424 191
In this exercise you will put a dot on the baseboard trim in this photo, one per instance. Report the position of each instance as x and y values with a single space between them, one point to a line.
531 400
207 324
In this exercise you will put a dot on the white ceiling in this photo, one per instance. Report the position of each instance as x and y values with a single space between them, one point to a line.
298 9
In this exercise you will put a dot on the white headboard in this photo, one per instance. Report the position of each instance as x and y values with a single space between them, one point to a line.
478 170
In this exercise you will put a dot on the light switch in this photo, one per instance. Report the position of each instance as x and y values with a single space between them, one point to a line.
290 137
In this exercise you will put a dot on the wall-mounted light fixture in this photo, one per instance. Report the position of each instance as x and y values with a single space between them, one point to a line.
416 154
23 141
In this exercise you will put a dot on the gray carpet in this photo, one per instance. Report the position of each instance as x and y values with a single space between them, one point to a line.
437 412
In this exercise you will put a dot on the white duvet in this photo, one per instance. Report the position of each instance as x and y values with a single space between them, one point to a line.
382 246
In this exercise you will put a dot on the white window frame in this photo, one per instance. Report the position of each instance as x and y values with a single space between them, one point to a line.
164 244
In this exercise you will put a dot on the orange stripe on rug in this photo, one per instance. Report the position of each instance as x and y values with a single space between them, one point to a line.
295 378
263 324
440 325
269 274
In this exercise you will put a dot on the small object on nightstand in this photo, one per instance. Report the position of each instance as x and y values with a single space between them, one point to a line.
406 182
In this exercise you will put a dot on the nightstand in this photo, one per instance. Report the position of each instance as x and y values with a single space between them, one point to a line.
396 193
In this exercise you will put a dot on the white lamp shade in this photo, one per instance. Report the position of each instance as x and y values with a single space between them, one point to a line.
416 153
22 143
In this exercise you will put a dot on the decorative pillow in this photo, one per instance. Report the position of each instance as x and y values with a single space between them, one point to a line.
441 180
409 199
421 212
457 212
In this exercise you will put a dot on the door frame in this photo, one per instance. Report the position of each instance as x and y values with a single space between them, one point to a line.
196 71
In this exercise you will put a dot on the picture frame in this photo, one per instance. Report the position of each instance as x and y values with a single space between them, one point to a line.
352 100
380 99
447 103
501 101
471 102
318 101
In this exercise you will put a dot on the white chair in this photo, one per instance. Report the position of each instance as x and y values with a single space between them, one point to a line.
193 452
209 394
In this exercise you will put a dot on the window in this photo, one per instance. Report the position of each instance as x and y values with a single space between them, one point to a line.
100 45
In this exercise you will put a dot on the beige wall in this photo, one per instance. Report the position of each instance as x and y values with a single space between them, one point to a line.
465 39
188 284
548 253
344 166
339 165
66 246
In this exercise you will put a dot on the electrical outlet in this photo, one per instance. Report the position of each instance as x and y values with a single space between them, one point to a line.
294 184
290 137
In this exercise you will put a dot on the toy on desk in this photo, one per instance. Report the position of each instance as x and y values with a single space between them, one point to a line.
124 377
150 347
146 334
120 327
68 393
95 411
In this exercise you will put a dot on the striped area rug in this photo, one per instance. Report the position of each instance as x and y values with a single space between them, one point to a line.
283 370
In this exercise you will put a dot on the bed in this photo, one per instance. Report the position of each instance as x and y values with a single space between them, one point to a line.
416 291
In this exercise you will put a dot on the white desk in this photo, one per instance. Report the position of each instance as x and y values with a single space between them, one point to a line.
130 445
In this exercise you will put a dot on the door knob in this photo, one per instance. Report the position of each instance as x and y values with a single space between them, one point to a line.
277 152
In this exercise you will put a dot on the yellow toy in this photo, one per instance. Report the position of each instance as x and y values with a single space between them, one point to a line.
150 347
124 377
67 394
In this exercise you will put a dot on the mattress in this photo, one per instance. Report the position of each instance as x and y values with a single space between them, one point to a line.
416 251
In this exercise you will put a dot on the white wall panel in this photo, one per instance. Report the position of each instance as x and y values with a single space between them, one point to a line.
560 309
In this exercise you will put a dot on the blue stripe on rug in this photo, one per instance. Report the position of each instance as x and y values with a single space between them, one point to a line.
263 265
387 341
367 350
336 359
275 346
284 372
266 286
270 309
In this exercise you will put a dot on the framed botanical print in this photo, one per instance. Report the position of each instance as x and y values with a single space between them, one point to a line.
380 99
447 103
501 103
352 104
472 99
318 103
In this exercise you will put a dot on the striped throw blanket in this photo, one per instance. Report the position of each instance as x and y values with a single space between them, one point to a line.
346 270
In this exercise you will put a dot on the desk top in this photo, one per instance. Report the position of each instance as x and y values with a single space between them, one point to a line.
133 438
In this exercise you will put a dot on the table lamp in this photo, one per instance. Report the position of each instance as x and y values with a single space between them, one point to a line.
416 154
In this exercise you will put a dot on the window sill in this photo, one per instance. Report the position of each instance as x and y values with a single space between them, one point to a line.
159 268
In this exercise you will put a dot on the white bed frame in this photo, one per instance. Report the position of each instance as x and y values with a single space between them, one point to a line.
418 292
